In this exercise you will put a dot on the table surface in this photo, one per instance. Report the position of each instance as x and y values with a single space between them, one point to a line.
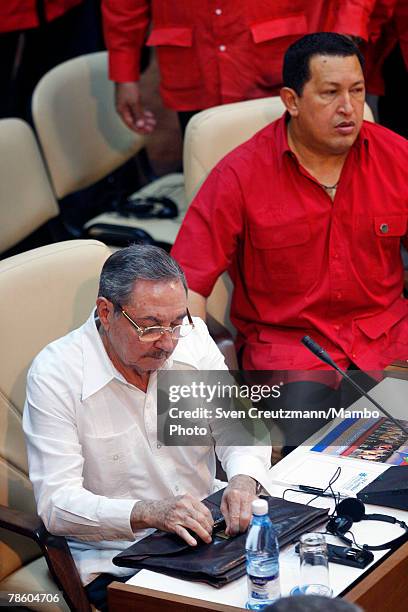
302 466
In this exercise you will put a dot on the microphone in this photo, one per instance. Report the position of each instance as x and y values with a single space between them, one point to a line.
317 350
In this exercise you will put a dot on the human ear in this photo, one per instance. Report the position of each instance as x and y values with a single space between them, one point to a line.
290 99
105 311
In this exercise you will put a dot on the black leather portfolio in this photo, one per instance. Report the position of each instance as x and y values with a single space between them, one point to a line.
389 489
223 560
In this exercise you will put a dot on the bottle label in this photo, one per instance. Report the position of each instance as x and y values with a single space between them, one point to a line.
263 587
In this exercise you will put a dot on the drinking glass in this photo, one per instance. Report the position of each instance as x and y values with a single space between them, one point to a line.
314 565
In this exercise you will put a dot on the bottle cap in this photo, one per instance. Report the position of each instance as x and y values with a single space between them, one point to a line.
259 507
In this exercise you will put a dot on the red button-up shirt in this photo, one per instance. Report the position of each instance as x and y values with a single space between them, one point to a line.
388 26
214 52
300 262
23 14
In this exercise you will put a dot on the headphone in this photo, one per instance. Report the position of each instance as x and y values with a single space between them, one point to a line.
159 207
352 510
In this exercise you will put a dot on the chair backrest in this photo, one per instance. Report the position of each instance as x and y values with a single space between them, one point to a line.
210 135
26 197
214 132
82 137
46 293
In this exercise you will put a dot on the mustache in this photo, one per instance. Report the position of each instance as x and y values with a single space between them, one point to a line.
158 354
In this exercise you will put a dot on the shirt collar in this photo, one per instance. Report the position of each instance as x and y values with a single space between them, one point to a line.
282 144
99 370
362 139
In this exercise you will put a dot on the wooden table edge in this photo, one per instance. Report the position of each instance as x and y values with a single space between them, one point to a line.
388 577
120 593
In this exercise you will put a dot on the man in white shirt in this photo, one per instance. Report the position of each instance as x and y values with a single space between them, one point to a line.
100 477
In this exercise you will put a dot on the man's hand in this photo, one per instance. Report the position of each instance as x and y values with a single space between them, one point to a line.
175 514
129 107
236 503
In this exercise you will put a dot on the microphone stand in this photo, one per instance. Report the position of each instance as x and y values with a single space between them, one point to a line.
317 350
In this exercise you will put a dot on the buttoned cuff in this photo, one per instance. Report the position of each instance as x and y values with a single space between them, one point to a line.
114 517
124 66
248 466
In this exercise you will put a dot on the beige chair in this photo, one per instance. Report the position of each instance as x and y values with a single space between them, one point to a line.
83 139
210 135
26 198
46 293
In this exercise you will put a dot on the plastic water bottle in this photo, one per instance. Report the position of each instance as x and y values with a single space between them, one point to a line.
262 558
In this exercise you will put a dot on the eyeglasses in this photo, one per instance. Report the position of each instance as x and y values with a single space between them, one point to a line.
154 333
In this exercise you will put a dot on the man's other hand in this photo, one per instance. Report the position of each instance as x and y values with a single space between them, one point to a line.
129 107
175 514
236 503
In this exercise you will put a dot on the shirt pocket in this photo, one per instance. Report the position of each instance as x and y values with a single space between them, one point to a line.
390 226
281 257
108 462
380 242
176 56
375 326
294 26
270 40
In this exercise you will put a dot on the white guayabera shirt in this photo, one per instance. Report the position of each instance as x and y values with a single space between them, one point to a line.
93 451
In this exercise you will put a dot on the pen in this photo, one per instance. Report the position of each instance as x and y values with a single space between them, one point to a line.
312 490
317 491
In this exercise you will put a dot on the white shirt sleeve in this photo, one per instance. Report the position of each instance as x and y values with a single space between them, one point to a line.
253 461
56 464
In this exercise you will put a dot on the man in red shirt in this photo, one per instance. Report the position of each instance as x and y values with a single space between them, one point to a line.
387 62
213 52
308 217
35 36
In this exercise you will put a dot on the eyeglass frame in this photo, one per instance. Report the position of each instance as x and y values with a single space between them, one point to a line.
142 330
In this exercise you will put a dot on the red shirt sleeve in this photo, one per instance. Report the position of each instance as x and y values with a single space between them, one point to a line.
380 17
125 24
208 238
401 20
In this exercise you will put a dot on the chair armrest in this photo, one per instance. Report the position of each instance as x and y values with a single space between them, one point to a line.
56 552
224 340
25 524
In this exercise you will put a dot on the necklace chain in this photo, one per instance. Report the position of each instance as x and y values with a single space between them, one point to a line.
329 187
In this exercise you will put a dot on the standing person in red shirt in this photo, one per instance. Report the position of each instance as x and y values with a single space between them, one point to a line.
24 14
35 36
387 62
308 217
213 52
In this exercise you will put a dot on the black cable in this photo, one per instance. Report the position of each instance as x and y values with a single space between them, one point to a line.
289 489
332 480
354 540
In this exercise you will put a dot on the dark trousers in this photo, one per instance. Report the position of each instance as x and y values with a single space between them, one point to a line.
304 396
97 590
392 107
184 117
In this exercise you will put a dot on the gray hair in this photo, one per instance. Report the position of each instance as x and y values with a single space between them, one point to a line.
136 262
